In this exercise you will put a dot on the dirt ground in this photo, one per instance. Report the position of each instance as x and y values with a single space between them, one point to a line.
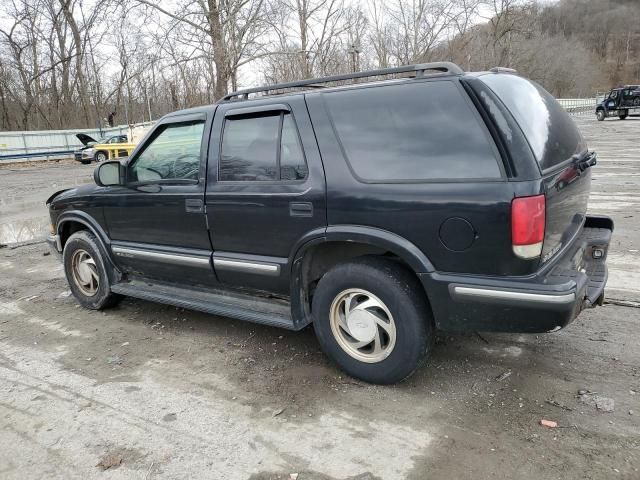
149 391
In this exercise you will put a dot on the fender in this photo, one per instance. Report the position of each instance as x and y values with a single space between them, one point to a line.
94 227
373 236
54 195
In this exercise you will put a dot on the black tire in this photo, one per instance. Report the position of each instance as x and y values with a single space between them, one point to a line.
600 115
101 156
80 243
403 296
85 162
624 115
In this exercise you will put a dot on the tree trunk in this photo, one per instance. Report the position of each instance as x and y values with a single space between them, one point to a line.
77 39
219 50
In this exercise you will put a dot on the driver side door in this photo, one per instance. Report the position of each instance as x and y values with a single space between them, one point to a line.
156 220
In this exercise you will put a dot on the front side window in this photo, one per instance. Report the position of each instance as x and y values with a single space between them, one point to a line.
174 153
261 148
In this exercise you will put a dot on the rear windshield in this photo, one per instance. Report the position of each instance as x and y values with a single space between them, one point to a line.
550 131
412 133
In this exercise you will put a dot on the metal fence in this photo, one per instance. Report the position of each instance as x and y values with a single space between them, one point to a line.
40 144
579 106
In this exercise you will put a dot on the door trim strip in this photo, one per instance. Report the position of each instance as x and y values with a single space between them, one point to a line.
247 267
163 257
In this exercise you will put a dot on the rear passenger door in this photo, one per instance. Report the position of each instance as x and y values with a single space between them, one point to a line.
265 190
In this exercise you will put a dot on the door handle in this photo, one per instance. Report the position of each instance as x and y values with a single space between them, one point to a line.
193 205
301 209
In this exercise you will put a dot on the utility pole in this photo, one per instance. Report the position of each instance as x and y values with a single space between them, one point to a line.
354 52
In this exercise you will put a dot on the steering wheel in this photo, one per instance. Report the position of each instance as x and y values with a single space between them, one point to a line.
186 166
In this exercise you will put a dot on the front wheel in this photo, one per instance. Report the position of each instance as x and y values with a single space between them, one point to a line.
372 318
101 156
86 273
600 115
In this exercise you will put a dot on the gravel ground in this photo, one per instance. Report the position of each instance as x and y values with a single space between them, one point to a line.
150 391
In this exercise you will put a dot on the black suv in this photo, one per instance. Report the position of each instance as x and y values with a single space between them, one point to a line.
378 211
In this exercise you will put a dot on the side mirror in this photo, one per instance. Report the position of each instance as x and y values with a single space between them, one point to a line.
109 174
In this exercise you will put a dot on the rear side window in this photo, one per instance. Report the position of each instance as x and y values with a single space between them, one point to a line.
261 148
551 133
412 132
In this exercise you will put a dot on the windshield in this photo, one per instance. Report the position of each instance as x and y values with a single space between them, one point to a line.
552 134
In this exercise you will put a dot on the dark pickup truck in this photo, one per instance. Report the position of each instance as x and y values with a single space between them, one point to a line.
378 211
619 102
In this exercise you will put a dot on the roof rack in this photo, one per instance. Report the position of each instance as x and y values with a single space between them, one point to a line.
503 70
419 70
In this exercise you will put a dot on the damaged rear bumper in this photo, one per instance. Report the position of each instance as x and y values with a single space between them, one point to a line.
545 301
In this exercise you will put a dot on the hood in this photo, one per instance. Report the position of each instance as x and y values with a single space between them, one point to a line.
85 139
63 197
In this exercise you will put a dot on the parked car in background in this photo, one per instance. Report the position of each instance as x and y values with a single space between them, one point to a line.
377 211
619 102
88 153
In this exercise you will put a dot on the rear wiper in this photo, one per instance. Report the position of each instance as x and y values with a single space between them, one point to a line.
589 160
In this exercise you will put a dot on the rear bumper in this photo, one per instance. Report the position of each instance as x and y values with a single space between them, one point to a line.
545 301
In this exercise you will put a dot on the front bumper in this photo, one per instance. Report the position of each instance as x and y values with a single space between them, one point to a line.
55 245
548 300
83 155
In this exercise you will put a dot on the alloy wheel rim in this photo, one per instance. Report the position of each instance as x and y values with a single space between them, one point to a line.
85 272
362 325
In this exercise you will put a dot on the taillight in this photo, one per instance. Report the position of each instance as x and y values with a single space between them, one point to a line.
527 225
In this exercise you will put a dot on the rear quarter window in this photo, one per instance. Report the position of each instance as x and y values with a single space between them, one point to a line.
550 131
412 133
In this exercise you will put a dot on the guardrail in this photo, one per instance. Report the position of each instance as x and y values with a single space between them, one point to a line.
53 153
579 106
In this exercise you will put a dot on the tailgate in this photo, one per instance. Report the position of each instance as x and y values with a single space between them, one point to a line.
567 192
560 151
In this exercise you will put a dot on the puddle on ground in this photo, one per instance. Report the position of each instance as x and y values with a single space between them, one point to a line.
24 230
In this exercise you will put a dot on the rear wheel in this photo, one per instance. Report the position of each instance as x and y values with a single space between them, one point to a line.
86 273
600 115
372 318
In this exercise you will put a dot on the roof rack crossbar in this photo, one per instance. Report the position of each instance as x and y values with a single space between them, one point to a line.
419 70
